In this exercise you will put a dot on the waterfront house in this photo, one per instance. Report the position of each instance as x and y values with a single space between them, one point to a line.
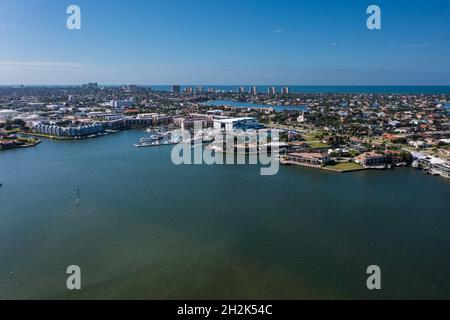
371 160
306 159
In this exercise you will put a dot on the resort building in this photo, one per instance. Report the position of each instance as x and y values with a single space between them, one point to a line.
306 159
69 131
147 120
371 160
193 120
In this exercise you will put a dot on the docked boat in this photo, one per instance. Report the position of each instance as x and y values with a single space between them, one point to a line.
156 137
202 139
147 144
155 144
165 139
434 173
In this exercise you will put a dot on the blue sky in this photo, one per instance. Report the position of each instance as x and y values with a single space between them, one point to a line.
225 42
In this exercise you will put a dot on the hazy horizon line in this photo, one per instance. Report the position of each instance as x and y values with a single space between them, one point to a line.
231 85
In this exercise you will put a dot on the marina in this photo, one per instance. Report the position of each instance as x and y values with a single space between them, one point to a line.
158 138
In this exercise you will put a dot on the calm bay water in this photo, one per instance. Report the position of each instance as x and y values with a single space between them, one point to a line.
148 229
244 105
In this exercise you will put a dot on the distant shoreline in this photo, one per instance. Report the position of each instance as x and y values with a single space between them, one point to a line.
297 89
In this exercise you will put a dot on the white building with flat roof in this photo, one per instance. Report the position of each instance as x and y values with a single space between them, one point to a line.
119 104
233 124
437 166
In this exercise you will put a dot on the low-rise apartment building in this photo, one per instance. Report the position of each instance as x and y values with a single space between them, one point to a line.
306 159
147 120
68 131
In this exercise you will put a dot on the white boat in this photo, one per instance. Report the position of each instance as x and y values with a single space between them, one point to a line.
147 144
159 139
434 172
156 137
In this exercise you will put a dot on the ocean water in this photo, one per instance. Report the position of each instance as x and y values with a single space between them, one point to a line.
302 88
326 89
147 229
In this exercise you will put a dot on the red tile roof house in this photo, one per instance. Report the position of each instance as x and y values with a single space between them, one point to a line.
371 160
